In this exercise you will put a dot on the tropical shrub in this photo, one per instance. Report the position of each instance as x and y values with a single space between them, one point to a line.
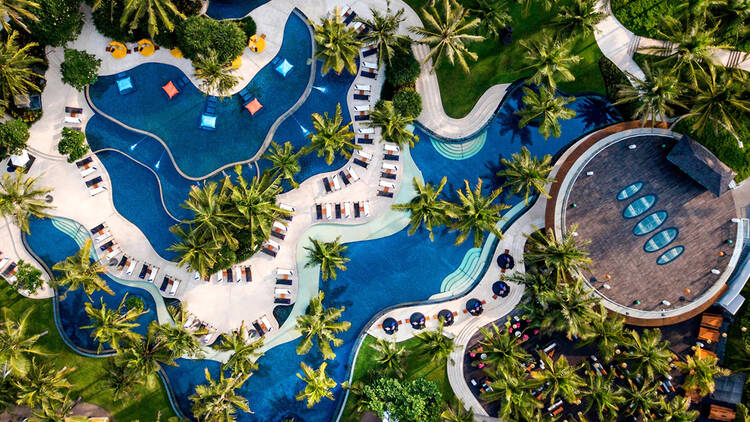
403 69
408 101
134 303
187 7
59 22
643 16
79 68
202 36
723 145
13 137
107 21
248 26
613 78
411 401
72 144
28 277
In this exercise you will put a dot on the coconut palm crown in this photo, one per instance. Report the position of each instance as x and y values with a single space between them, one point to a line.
338 44
384 32
546 108
21 198
322 324
527 174
476 213
331 137
79 271
329 255
550 59
426 208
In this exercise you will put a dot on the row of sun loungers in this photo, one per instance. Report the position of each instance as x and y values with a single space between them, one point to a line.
279 231
260 327
282 291
346 210
237 274
344 177
362 158
127 264
87 168
169 284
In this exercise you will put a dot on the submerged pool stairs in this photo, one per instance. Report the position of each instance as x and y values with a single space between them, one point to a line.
463 277
460 150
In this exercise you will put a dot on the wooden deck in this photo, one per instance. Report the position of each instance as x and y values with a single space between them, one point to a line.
703 221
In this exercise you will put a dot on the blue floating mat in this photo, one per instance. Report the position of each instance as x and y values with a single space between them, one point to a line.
284 67
208 122
125 85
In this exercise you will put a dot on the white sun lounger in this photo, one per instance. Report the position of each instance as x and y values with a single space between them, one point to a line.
370 65
279 225
347 209
286 207
362 107
207 338
114 253
279 291
389 166
97 191
131 267
237 271
358 26
154 271
387 184
366 130
103 237
88 171
273 244
391 148
284 272
173 290
219 277
366 155
367 208
72 120
266 322
336 183
352 174
189 322
365 88
329 211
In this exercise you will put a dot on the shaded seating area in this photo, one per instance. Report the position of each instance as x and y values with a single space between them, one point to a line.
474 307
208 118
500 289
505 261
249 101
281 66
124 83
417 320
172 88
447 317
390 325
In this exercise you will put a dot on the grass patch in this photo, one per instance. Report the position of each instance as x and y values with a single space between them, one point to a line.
418 365
86 380
498 63
736 340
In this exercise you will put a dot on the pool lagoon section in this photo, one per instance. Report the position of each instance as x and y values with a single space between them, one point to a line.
52 245
232 9
238 135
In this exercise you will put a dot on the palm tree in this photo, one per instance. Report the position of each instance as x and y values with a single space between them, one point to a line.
79 271
383 32
243 351
580 16
733 19
17 11
212 213
568 308
216 77
329 255
655 96
503 350
177 339
389 355
120 380
156 13
534 281
605 329
330 137
15 341
112 326
218 399
435 344
317 385
425 208
256 206
547 108
690 47
550 59
559 378
16 76
42 385
338 44
393 124
284 161
676 410
602 397
447 32
357 396
526 173
54 412
512 389
700 373
565 256
640 398
493 16
476 213
194 250
322 324
457 412
647 354
21 198
719 101
143 358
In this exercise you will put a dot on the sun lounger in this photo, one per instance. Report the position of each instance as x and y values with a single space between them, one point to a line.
4 262
361 97
230 276
362 118
282 301
281 291
154 271
387 184
107 245
164 284
121 264
269 252
349 16
189 322
97 191
88 172
356 210
73 110
97 229
362 107
336 184
69 120
366 208
287 208
173 290
329 211
103 237
113 253
265 323
338 211
344 177
385 194
219 276
326 185
248 273
367 74
391 148
94 181
207 338
391 176
370 65
11 268
84 162
367 130
362 88
369 52
283 273
352 174
131 267
390 167
347 210
284 282
319 211
258 328
390 157
237 273
142 274
364 141
359 162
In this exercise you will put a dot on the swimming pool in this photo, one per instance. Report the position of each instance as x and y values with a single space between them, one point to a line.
238 136
232 9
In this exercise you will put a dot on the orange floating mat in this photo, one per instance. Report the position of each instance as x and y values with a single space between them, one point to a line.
253 106
170 89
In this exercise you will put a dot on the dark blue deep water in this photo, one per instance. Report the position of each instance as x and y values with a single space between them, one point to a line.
232 9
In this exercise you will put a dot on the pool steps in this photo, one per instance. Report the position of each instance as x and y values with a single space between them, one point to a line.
464 276
460 150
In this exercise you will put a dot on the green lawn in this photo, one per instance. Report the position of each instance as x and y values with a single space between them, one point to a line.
500 63
418 365
736 338
86 379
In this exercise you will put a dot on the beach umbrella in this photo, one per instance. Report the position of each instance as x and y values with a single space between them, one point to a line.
417 320
474 306
505 261
500 288
447 317
390 325
20 160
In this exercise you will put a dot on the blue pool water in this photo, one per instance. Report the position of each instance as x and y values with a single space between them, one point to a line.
237 136
232 9
51 246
